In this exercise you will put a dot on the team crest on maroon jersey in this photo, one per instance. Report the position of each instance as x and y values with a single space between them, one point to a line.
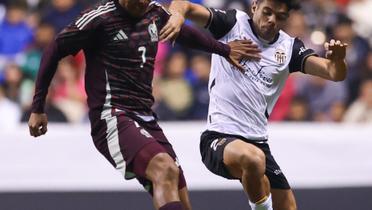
153 31
280 56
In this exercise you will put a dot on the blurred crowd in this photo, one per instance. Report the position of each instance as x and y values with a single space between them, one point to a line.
181 76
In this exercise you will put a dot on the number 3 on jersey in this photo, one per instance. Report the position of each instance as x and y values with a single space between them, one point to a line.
143 50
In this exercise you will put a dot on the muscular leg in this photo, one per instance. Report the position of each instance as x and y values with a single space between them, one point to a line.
247 162
163 173
283 199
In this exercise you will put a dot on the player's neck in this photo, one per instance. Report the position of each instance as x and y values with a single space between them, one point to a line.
127 7
255 31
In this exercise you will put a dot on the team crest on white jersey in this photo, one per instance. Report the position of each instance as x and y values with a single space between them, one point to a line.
280 56
153 31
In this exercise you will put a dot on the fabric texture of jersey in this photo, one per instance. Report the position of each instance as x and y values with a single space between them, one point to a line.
240 104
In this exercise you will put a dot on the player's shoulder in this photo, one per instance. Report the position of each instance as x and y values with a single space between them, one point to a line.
241 14
285 37
101 6
242 18
158 6
101 9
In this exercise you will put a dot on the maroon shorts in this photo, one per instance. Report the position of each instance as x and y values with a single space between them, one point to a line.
120 138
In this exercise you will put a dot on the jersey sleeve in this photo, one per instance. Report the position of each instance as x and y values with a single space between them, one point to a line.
195 39
221 22
75 37
299 55
163 13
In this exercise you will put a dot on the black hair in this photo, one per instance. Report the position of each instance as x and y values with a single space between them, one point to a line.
17 4
291 4
344 20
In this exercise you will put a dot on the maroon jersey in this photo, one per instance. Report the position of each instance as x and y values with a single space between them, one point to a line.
120 53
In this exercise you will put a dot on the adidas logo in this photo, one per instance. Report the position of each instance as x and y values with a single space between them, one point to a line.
120 36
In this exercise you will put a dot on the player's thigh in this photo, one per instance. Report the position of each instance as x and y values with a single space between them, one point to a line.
119 138
166 147
238 154
283 199
184 197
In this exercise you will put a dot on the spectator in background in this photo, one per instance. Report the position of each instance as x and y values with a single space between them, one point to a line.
282 106
361 110
31 58
53 112
323 96
13 78
9 111
200 66
360 12
69 95
2 11
357 54
243 5
176 93
298 110
367 70
320 14
16 35
61 12
298 26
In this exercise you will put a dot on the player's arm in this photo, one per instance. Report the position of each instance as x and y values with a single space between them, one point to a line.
233 51
218 22
69 42
333 67
180 10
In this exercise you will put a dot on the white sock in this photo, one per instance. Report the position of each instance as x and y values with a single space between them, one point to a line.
266 205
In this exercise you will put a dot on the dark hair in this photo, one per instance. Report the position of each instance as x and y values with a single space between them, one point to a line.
291 4
17 4
344 20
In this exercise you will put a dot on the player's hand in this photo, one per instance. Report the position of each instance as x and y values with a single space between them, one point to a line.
37 124
173 27
243 50
335 50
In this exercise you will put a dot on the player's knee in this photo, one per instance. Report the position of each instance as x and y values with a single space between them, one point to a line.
253 161
164 169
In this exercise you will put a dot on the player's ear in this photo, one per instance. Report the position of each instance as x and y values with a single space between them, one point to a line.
254 6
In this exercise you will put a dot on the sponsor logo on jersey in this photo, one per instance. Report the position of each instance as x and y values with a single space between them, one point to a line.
153 31
120 36
257 73
280 56
302 50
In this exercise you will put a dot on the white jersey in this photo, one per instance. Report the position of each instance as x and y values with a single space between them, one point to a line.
240 104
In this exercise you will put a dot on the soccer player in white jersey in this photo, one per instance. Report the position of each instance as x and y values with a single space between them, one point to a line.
234 145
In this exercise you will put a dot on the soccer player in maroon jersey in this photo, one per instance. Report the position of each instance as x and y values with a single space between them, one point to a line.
120 39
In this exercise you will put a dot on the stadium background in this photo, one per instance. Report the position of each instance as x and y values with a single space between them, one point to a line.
320 131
